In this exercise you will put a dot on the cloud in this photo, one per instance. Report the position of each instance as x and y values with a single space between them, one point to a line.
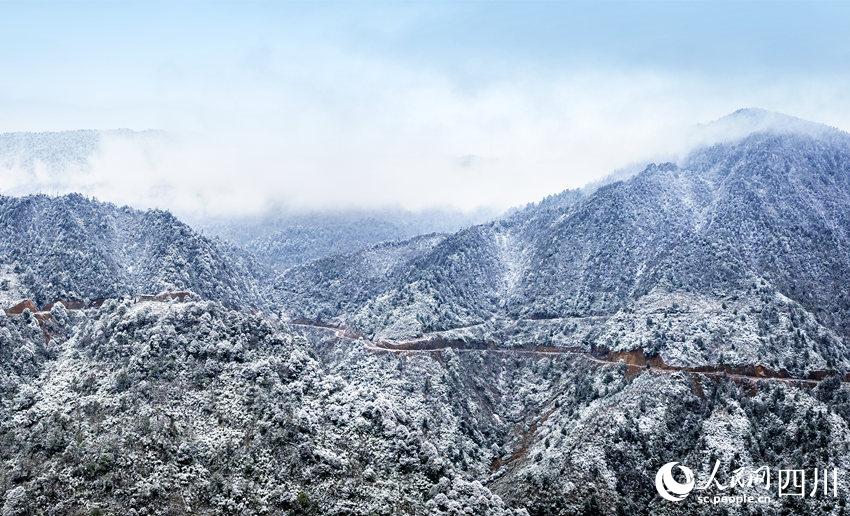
326 128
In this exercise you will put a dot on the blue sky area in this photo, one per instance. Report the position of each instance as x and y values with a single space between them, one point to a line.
72 55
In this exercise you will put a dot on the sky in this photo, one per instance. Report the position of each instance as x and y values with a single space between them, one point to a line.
419 105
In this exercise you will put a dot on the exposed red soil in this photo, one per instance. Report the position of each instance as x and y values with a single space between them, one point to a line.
179 295
637 360
44 314
19 308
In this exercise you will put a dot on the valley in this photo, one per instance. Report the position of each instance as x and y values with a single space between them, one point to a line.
547 362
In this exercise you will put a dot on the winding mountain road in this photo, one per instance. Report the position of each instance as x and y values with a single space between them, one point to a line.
635 361
409 347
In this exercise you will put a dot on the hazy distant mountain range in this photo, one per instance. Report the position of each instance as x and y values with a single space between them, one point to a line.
60 150
283 238
58 162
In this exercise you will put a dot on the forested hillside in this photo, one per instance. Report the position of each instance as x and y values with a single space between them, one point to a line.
750 233
74 248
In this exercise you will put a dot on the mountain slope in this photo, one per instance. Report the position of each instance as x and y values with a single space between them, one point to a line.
152 408
740 249
71 247
734 256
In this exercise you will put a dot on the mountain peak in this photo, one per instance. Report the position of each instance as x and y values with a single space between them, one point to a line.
757 113
746 121
764 118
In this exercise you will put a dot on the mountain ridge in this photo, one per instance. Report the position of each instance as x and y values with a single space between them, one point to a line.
671 230
72 247
687 314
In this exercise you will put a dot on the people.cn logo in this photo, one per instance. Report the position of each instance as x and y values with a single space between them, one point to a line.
746 484
671 489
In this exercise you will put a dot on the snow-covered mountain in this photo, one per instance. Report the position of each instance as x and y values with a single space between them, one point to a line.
238 410
151 408
737 254
694 312
86 161
283 238
75 248
23 150
62 161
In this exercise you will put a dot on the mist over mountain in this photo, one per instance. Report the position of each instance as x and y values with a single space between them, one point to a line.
52 149
753 230
424 258
102 163
61 161
283 238
549 362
